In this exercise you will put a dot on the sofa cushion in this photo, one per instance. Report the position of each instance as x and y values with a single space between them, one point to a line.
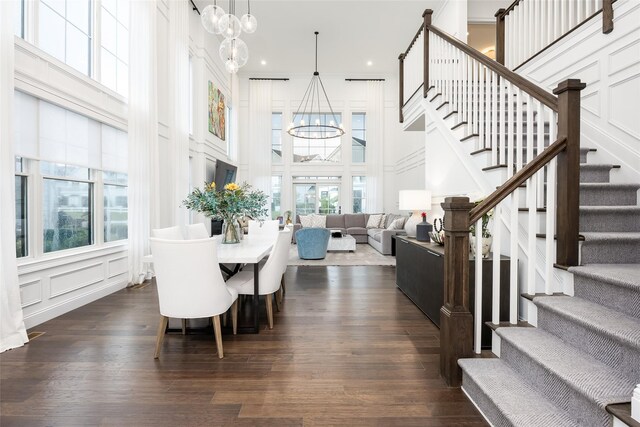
377 236
357 231
306 220
335 221
374 221
354 220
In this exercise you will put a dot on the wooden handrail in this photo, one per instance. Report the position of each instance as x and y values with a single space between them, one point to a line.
517 180
413 41
532 89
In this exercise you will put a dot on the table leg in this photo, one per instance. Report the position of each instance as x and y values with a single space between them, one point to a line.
256 298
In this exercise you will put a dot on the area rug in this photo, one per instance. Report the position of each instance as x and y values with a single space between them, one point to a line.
364 255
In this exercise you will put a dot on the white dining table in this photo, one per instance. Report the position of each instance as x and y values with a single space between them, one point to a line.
250 250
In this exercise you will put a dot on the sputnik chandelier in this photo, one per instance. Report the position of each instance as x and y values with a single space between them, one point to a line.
233 51
310 121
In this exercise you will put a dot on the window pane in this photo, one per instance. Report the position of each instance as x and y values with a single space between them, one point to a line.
123 78
358 137
108 34
17 18
108 70
56 5
359 194
123 12
78 14
77 49
115 213
63 171
110 5
21 216
66 211
123 44
318 150
276 193
51 32
305 199
329 199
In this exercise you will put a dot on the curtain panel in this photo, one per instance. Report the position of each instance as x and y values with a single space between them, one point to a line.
375 139
260 135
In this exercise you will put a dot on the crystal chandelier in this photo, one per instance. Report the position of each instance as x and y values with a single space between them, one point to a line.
310 121
233 51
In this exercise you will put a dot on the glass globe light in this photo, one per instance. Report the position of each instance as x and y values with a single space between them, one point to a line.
211 18
249 23
229 26
235 49
231 66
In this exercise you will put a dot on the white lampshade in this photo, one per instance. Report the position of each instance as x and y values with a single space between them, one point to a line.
415 200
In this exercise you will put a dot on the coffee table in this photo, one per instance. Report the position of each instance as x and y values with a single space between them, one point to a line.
345 243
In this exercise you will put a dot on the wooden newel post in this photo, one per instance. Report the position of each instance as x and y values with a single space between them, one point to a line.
568 175
500 36
607 16
426 16
456 322
401 88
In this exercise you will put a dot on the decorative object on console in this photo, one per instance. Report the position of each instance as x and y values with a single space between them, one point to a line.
228 204
437 235
415 201
233 51
287 218
423 229
487 239
310 123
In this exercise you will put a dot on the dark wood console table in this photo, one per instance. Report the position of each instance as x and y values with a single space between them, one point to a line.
420 276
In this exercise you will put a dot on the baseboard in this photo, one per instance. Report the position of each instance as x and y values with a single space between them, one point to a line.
63 307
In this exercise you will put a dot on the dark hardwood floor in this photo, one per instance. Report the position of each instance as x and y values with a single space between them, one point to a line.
348 348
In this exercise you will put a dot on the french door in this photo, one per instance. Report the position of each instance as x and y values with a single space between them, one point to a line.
317 198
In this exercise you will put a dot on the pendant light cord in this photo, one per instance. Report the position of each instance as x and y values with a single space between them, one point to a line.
317 52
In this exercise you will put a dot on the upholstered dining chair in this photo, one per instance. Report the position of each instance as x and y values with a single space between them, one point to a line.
264 228
190 285
169 233
270 274
196 231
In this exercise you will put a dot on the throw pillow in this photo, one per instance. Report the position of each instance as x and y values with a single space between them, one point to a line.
306 220
374 221
389 220
383 219
397 224
319 221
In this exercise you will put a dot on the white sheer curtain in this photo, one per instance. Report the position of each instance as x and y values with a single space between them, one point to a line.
12 330
375 139
143 135
179 28
260 135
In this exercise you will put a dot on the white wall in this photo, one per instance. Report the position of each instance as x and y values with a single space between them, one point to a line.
485 10
610 66
451 17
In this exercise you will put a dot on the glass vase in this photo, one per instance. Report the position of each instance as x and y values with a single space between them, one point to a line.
230 231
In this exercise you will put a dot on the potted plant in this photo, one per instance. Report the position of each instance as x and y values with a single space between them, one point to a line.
487 239
228 204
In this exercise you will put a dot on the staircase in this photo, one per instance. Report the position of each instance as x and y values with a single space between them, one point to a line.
584 353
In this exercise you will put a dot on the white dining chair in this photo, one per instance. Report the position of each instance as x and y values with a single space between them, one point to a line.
270 274
190 285
169 233
264 228
197 231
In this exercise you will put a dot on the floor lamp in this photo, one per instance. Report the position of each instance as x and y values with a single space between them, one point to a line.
415 201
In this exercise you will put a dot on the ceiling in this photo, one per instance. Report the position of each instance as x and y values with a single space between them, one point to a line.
352 33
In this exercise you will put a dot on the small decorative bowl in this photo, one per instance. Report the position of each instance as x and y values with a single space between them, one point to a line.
437 237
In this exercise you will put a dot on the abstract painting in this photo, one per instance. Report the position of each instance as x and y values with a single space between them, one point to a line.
217 110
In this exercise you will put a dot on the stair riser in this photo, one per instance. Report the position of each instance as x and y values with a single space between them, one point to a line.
584 411
610 252
608 196
594 175
607 294
622 358
596 221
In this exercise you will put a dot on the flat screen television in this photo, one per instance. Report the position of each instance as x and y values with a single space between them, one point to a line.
225 173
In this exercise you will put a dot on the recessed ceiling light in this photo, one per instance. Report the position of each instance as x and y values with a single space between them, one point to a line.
369 63
263 62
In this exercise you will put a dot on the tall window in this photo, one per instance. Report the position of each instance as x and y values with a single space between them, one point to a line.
64 31
359 193
318 150
276 196
21 210
67 206
115 206
358 137
276 137
18 18
114 36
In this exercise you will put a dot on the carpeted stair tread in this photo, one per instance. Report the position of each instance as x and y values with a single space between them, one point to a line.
616 286
556 361
595 172
506 399
624 329
608 194
610 248
610 218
